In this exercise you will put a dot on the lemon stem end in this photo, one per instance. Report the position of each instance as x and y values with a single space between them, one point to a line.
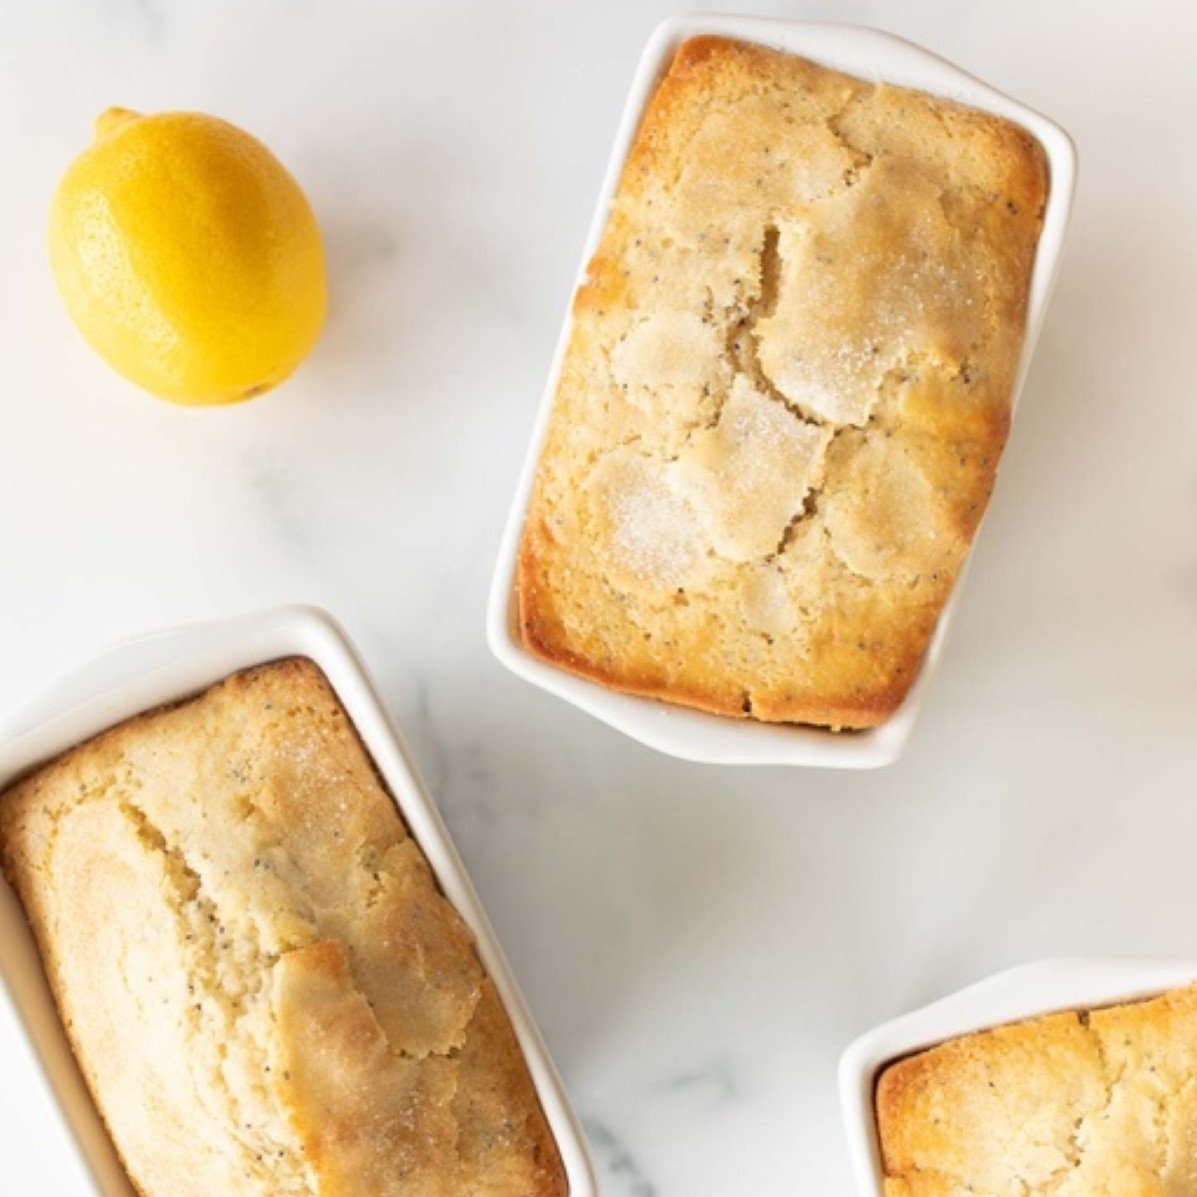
112 119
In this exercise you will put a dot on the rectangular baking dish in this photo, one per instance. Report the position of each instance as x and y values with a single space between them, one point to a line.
693 735
165 668
1045 987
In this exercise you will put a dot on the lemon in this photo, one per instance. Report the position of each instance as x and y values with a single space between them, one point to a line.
188 257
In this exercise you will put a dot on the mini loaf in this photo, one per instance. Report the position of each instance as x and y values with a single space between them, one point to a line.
785 392
1098 1103
266 991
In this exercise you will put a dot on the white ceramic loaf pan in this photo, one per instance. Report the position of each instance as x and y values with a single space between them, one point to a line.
164 668
1045 987
868 54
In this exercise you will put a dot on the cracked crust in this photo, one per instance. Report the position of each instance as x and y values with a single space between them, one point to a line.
1098 1103
786 391
265 990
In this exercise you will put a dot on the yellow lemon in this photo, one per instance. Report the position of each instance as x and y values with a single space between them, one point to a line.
188 257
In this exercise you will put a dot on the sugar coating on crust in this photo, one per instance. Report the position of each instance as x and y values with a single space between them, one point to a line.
265 989
785 393
1098 1103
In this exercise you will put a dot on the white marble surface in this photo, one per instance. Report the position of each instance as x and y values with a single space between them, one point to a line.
697 943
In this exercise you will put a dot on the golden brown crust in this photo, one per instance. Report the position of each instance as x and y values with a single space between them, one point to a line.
786 391
264 987
1098 1103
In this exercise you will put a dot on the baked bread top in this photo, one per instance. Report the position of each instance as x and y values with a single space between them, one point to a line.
1098 1103
266 992
785 392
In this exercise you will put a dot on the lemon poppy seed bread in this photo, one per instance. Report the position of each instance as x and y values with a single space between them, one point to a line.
265 990
785 392
1098 1103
